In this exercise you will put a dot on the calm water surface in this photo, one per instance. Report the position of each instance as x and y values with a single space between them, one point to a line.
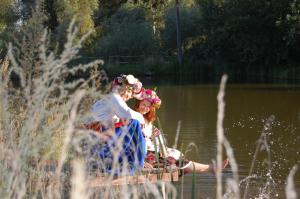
247 109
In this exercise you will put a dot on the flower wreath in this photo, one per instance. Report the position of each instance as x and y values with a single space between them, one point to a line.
151 96
129 81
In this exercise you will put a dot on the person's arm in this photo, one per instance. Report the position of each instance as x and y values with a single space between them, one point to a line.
122 110
156 134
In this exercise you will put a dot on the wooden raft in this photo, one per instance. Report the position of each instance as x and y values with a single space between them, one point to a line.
146 176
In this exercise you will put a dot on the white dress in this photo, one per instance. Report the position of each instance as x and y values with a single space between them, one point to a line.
148 134
176 154
111 107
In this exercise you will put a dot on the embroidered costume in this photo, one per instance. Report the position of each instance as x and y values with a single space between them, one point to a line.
124 151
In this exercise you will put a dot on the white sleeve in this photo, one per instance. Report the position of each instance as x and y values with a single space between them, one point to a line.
122 110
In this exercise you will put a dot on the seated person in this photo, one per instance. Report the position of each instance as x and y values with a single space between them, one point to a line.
147 104
121 144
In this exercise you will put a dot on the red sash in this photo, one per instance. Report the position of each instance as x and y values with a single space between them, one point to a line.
97 126
119 124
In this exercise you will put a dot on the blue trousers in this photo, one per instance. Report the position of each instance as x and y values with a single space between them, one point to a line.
128 145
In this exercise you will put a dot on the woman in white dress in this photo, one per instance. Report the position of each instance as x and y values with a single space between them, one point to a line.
147 105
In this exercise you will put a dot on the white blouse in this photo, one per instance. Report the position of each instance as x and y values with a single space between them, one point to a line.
176 154
112 106
148 133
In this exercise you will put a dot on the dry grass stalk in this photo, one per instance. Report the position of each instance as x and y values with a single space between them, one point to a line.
290 191
220 134
233 190
177 134
79 183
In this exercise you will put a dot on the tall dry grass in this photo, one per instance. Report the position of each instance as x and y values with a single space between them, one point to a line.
36 118
40 136
290 190
233 190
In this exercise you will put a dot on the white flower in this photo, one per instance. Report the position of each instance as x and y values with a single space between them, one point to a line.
131 79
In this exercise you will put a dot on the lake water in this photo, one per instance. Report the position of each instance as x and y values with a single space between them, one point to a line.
247 109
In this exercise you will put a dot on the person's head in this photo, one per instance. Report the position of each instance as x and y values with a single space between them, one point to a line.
147 104
127 86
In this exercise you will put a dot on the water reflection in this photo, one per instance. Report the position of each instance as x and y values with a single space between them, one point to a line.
247 108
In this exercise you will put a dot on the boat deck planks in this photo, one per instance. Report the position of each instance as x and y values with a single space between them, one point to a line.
165 176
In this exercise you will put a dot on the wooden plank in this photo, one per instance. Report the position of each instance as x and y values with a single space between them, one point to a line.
139 179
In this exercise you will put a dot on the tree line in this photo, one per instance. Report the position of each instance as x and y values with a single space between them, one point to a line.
245 38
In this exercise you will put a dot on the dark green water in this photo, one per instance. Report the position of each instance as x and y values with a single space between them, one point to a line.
247 109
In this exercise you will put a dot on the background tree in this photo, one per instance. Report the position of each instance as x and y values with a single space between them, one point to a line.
26 44
82 9
248 35
106 9
122 38
155 12
190 29
6 14
8 17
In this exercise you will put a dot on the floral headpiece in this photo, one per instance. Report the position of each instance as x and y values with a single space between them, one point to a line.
130 81
151 96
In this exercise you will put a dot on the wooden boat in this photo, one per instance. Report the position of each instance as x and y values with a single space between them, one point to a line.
168 174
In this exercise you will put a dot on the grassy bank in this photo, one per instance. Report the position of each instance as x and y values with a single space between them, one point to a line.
206 72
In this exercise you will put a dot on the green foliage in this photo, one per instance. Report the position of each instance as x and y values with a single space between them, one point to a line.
154 12
52 21
249 33
150 4
26 42
190 30
25 8
106 9
242 37
82 9
7 15
127 33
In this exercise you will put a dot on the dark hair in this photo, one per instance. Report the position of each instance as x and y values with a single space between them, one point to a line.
151 115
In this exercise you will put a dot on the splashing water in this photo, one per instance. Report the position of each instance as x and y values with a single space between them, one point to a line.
278 152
